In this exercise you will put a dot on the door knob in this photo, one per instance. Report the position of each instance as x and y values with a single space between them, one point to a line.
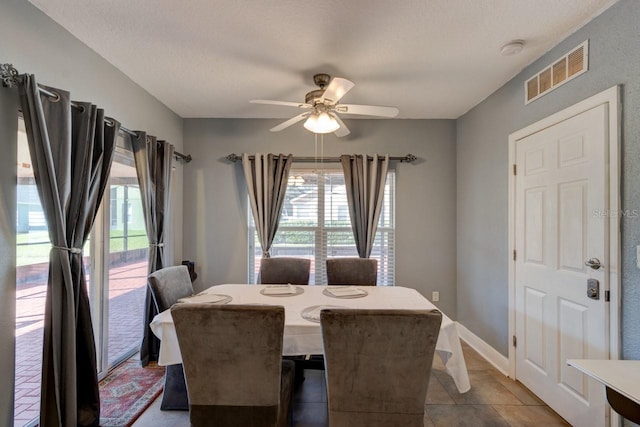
593 263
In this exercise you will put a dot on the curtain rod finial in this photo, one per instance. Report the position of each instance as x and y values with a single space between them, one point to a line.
182 158
9 75
233 157
409 158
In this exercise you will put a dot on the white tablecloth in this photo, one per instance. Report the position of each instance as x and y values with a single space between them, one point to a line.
302 336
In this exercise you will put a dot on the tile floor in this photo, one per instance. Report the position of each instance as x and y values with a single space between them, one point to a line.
494 400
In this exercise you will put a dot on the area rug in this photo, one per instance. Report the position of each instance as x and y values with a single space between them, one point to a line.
127 391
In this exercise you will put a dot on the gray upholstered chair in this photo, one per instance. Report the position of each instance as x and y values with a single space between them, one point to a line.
295 271
232 357
352 271
284 270
167 286
378 364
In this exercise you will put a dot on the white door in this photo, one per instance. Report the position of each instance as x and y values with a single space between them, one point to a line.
561 208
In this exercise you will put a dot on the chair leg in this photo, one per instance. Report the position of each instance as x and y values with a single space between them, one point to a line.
174 396
299 372
286 394
299 368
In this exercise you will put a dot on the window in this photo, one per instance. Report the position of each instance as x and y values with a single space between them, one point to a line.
315 224
129 213
114 208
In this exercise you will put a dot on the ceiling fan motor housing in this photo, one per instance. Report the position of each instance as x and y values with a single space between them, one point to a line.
321 80
312 97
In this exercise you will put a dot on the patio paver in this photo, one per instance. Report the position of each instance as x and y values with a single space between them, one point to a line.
127 285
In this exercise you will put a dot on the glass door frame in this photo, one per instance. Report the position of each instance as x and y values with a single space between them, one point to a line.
99 283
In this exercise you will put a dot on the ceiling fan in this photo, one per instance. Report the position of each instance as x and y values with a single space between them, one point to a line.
324 108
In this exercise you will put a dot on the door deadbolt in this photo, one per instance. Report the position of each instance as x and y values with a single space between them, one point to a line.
593 289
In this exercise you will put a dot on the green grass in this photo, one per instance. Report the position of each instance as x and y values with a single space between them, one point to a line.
38 250
116 242
33 253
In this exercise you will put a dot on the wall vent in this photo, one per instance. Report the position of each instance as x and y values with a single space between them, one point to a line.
561 71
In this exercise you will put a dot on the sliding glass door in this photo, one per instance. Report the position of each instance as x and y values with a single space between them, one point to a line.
126 262
32 268
115 263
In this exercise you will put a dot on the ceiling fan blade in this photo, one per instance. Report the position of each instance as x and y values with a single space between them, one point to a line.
368 110
282 103
338 87
291 121
343 130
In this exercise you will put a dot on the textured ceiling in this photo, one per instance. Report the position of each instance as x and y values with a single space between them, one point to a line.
430 58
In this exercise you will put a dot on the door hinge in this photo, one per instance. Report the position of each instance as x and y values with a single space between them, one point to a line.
514 341
514 254
515 169
607 295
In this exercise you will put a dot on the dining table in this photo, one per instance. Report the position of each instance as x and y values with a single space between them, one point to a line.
620 380
302 331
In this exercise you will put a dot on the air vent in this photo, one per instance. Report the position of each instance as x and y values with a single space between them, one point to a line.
561 71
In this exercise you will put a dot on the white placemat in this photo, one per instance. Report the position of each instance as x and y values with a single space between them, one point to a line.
206 298
345 292
281 290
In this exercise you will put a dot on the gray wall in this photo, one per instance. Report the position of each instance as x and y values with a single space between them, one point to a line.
35 44
215 210
482 163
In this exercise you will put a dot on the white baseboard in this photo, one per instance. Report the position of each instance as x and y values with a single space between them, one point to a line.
492 355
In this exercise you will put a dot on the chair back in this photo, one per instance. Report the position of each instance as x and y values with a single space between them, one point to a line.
232 362
168 285
352 271
378 364
284 270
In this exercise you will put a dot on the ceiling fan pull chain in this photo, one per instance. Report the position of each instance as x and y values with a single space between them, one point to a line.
322 154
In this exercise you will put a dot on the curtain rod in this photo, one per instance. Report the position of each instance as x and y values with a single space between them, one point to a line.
233 157
10 76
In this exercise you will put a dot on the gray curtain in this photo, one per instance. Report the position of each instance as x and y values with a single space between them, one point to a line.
154 166
364 180
266 177
71 151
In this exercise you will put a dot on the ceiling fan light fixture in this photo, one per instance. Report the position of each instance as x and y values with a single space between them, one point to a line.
322 122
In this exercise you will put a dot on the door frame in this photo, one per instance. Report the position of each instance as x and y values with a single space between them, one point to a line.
611 97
